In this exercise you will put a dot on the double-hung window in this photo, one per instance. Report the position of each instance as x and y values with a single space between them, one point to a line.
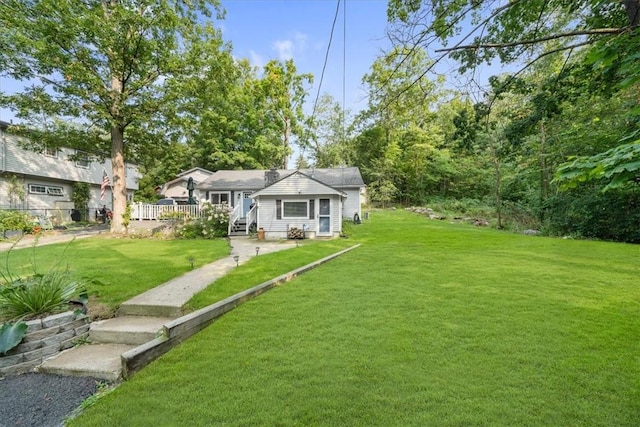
294 209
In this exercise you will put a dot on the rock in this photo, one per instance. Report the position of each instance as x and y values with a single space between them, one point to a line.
531 232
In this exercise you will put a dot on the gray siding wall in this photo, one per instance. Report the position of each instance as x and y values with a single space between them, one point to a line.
353 203
39 169
16 160
277 228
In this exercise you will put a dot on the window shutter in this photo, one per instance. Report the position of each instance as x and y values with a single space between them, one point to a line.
278 209
312 209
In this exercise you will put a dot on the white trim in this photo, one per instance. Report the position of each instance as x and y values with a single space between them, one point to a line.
305 216
329 216
219 202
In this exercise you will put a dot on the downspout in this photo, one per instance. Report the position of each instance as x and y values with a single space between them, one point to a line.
4 151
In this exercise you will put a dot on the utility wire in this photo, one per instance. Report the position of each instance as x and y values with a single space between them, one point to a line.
326 59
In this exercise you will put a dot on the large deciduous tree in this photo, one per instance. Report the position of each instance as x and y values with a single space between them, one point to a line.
524 31
107 65
284 94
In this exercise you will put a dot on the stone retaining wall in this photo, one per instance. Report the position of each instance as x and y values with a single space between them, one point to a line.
44 339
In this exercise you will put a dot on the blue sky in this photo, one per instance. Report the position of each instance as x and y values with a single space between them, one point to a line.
262 30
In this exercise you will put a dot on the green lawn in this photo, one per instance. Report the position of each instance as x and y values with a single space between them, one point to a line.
427 323
115 270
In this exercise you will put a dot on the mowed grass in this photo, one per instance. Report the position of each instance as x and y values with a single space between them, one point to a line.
427 323
115 270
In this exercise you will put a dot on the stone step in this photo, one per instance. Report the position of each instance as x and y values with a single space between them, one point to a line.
133 330
101 361
152 308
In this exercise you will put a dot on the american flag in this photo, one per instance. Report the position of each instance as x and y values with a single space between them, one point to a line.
105 183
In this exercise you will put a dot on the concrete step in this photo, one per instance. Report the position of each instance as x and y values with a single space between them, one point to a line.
102 361
152 309
133 330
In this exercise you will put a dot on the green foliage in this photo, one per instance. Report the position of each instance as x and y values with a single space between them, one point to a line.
619 167
126 216
16 191
66 51
80 196
13 221
11 334
37 294
588 212
212 223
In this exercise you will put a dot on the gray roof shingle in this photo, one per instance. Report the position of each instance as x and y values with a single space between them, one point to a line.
254 179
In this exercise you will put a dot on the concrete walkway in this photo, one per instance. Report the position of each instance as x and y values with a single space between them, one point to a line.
141 318
167 299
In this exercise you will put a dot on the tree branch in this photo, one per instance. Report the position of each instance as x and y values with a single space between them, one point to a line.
598 31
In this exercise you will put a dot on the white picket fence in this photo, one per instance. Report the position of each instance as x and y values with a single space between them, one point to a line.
145 211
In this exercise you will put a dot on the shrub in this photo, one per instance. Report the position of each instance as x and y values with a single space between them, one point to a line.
213 223
14 220
37 294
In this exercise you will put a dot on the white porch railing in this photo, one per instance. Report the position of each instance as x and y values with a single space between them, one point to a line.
145 211
235 216
252 217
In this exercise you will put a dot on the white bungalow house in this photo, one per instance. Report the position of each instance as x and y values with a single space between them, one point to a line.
41 183
177 188
276 201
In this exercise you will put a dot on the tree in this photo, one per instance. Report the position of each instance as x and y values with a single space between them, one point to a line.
327 139
285 92
510 31
108 65
524 32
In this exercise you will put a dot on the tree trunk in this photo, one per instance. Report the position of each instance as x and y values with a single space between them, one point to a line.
544 178
498 172
119 179
285 160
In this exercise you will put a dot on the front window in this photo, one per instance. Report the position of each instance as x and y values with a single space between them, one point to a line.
82 160
219 198
37 189
50 190
55 191
295 209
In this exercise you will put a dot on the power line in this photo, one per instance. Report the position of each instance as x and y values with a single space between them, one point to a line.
326 59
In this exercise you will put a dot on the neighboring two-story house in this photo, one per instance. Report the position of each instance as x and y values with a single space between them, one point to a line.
41 183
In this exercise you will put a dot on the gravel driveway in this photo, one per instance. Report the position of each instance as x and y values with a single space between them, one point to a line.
41 399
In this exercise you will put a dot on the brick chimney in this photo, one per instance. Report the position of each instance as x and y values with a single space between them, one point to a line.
271 176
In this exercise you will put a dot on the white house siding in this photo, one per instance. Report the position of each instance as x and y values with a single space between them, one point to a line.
297 184
277 228
352 204
33 168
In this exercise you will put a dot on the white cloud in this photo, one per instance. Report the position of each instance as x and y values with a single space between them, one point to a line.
300 41
284 48
256 59
287 48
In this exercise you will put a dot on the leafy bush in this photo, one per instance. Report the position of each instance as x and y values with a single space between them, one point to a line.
14 220
588 212
213 223
37 294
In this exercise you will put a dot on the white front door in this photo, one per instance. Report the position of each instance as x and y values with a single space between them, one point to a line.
324 217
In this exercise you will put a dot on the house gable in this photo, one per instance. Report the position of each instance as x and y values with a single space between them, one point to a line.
297 184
